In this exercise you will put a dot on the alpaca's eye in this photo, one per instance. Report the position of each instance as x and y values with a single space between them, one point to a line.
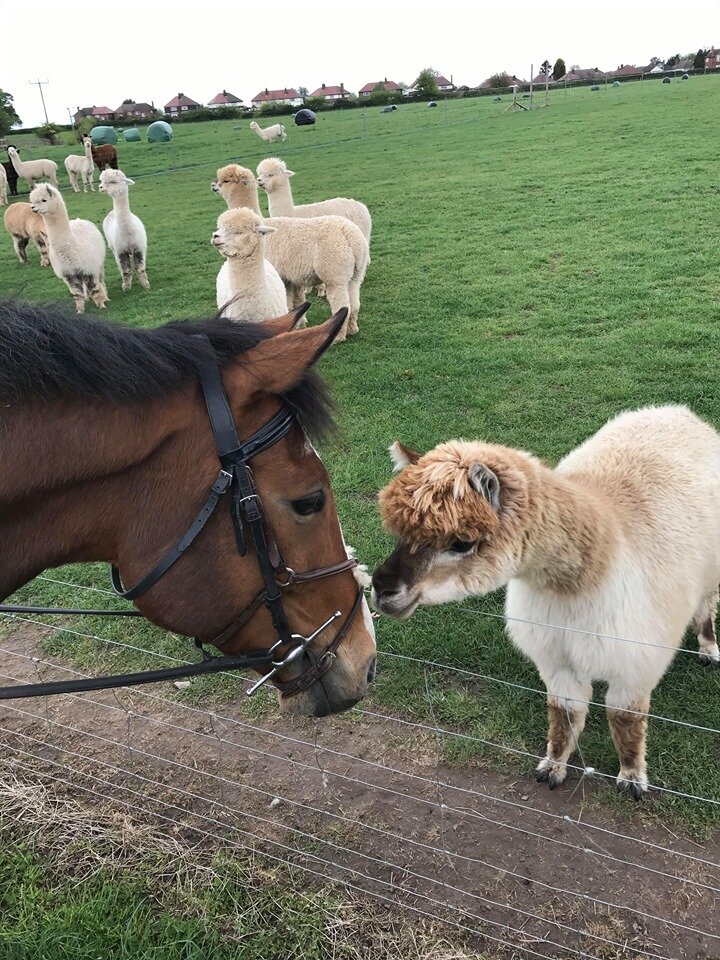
306 506
461 546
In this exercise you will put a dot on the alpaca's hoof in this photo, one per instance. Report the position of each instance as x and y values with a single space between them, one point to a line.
553 774
632 784
709 658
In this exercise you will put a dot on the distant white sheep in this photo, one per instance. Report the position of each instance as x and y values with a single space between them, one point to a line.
269 134
124 231
23 226
319 250
77 249
249 288
33 170
3 186
81 168
274 177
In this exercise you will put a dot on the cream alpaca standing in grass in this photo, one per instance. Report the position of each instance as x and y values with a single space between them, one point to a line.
124 231
23 226
306 253
248 287
77 249
3 186
81 168
274 177
620 540
33 170
269 134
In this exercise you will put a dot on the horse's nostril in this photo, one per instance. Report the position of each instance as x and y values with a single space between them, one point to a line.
372 670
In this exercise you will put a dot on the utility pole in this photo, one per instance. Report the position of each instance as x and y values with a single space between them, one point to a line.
40 84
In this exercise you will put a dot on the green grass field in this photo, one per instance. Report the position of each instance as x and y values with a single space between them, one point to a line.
532 275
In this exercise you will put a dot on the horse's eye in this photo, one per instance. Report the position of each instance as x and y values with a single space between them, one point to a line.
308 505
461 546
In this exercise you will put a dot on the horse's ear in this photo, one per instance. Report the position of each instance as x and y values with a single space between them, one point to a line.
287 322
276 364
402 456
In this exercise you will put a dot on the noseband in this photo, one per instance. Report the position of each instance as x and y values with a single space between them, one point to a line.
234 483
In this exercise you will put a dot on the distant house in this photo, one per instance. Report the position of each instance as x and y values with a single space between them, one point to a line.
712 60
330 93
653 68
444 85
137 111
389 85
101 114
181 104
287 95
540 79
224 99
592 74
687 63
489 85
625 70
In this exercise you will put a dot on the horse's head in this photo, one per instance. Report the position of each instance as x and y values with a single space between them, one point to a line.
213 583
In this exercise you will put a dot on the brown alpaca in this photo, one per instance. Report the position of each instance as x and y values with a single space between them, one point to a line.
105 156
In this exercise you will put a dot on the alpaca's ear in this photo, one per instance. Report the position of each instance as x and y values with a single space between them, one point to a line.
263 228
289 173
402 456
129 182
486 483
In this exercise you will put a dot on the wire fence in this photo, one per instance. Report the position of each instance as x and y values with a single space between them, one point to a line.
371 802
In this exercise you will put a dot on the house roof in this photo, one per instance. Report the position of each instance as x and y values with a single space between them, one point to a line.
133 107
626 70
101 111
182 101
266 95
541 77
486 85
440 80
325 91
223 98
382 84
592 74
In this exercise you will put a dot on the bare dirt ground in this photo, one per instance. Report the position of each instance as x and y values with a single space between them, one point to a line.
368 803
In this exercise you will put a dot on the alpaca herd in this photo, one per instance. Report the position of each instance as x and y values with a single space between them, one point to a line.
607 558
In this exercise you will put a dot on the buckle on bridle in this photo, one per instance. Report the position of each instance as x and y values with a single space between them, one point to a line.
294 654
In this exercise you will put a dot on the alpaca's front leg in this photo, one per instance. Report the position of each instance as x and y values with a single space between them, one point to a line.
628 726
567 712
77 289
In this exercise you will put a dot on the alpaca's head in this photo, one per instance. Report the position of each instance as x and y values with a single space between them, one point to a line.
13 151
253 125
87 141
114 182
240 233
272 174
235 183
45 200
453 512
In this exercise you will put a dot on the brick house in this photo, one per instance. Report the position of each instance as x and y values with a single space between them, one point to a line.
330 93
444 85
287 95
224 99
136 111
101 114
712 60
389 85
181 104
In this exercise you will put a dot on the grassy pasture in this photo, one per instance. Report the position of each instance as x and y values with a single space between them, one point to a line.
532 274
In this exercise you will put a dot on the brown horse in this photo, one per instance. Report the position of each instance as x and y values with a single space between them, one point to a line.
107 453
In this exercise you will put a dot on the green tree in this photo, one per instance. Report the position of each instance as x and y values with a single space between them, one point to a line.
545 68
8 114
498 80
559 69
303 91
671 61
699 61
426 83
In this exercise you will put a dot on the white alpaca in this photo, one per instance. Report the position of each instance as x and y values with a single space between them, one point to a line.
77 249
269 134
320 250
274 177
33 170
124 231
621 540
81 168
3 186
23 226
248 287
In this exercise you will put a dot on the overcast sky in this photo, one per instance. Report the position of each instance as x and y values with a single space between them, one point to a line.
94 53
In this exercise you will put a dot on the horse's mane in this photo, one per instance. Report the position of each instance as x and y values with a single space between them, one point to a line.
47 354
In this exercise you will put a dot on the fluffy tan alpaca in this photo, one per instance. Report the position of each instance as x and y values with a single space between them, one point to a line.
621 539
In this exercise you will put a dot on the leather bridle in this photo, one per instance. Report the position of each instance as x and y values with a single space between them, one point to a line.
236 484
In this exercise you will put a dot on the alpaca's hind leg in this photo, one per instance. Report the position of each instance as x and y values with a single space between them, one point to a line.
704 626
125 263
354 308
73 181
338 297
41 244
20 244
52 177
627 716
295 295
139 260
567 712
97 290
76 286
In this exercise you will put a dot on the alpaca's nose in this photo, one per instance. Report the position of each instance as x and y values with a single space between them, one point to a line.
386 583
